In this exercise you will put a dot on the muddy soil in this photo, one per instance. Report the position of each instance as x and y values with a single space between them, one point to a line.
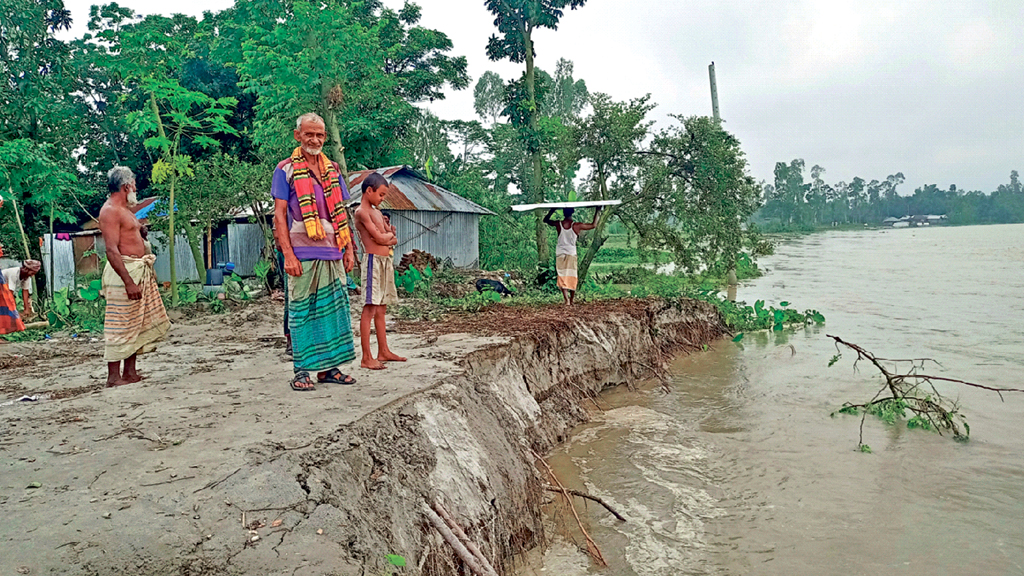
212 465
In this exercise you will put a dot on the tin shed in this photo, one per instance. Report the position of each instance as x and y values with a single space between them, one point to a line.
427 217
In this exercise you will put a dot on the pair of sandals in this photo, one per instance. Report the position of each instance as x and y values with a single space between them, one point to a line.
333 376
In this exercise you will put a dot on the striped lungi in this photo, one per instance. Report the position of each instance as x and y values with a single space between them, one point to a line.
565 268
10 321
132 326
318 316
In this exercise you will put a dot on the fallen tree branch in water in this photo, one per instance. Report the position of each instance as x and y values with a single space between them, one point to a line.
906 391
592 548
590 497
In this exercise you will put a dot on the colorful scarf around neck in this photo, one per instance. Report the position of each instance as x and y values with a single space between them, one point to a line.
303 181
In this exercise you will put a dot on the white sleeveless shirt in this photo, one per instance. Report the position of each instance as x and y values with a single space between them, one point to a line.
566 241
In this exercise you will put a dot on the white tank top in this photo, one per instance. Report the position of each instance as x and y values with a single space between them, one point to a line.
566 241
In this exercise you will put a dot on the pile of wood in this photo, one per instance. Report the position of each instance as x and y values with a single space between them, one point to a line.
419 260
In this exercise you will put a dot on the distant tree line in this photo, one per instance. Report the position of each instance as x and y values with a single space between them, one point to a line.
795 202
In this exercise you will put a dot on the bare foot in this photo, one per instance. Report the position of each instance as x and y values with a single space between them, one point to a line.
371 364
118 382
389 356
133 378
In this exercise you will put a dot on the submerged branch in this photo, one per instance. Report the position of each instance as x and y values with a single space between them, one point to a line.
933 411
590 497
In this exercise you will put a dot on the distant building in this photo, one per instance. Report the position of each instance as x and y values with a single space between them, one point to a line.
916 220
428 217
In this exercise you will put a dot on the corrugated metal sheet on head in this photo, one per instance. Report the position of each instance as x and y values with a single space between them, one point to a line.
410 191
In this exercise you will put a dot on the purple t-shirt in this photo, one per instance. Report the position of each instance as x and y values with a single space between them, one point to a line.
304 247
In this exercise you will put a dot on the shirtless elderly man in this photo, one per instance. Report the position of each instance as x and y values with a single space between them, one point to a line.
135 318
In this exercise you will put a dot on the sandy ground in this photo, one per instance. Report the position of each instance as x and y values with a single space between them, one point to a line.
88 470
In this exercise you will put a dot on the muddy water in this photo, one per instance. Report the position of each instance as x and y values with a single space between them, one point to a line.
740 469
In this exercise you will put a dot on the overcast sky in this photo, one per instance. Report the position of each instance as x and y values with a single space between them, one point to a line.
933 89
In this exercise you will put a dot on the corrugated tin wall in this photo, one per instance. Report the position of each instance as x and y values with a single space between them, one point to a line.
454 235
186 264
63 261
245 242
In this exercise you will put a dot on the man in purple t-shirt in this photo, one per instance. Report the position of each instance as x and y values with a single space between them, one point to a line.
318 307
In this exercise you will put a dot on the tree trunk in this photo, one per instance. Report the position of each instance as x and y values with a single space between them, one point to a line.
170 245
537 187
339 149
170 211
195 240
24 237
53 244
595 244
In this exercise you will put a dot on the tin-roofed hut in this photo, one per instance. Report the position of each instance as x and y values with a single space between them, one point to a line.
427 217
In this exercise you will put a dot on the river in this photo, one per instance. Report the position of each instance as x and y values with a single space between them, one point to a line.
741 470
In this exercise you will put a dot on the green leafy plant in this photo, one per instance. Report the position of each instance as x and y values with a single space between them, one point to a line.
262 271
412 281
236 288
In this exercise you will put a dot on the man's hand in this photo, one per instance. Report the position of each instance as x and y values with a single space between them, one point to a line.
349 260
292 266
133 290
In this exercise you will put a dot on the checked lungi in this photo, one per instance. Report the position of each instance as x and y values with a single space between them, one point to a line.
318 315
132 326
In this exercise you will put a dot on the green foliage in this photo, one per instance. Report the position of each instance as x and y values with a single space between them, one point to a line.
395 560
413 282
865 449
92 292
237 289
79 310
262 271
741 317
363 77
889 411
920 422
24 336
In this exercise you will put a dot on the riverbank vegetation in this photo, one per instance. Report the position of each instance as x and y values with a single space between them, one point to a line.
801 201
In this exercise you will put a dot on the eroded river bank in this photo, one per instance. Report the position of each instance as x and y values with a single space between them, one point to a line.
212 466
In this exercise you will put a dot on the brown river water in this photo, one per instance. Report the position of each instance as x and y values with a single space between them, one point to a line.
741 470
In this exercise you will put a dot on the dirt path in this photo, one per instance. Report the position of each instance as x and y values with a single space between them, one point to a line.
83 462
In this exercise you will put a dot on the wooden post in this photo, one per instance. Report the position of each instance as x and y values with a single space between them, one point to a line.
24 237
53 242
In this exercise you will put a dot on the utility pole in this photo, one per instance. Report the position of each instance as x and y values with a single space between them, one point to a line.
731 278
714 93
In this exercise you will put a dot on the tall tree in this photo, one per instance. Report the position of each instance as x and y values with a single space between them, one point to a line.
700 195
362 77
180 117
609 139
489 97
516 21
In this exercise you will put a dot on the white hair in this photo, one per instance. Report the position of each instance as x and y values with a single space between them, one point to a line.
308 117
118 176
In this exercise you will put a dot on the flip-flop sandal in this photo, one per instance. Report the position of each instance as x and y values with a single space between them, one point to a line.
302 377
334 376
